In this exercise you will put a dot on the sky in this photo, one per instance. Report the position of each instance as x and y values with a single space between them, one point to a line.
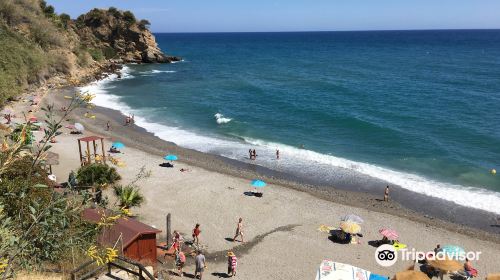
299 15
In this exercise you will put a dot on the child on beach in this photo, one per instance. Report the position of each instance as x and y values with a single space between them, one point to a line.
232 262
200 264
239 230
277 154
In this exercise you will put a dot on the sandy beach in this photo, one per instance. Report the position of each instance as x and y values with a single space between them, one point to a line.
281 228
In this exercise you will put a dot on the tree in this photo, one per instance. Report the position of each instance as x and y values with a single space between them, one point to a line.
128 196
143 24
65 19
129 17
39 227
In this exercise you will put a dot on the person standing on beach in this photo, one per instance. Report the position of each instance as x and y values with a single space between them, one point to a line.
200 264
108 126
180 260
254 154
386 194
232 262
250 155
239 230
196 234
277 154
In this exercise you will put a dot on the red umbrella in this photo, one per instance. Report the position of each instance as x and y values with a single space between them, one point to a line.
33 119
389 233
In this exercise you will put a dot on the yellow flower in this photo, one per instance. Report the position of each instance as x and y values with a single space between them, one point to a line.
3 264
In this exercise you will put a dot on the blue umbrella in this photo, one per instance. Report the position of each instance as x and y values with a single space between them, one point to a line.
170 157
258 184
118 145
452 251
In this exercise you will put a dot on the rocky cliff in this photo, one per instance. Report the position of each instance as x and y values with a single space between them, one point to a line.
119 35
40 47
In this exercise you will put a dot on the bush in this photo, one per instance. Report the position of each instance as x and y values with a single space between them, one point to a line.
96 54
109 53
114 12
129 17
128 196
144 24
97 174
65 19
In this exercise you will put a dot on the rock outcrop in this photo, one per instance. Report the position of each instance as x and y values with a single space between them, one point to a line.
119 35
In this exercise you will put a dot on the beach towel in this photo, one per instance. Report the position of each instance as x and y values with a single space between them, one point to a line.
325 228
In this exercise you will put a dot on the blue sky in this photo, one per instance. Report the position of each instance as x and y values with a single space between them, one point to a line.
299 15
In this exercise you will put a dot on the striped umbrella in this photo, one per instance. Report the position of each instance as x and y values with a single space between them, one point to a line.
389 233
350 227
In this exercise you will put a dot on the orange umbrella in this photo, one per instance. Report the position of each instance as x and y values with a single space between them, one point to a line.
410 275
446 265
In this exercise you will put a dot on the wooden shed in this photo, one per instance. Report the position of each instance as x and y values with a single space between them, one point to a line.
136 240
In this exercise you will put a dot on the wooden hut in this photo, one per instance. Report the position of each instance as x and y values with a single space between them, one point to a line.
136 240
86 158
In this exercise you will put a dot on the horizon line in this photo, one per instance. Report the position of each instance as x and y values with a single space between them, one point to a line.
324 31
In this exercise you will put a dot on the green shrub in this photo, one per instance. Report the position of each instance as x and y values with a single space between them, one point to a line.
97 174
96 54
65 19
129 17
109 52
144 24
128 196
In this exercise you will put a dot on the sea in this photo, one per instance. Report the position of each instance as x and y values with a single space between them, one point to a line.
416 109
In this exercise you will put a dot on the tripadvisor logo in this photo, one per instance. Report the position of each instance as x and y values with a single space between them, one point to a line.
386 255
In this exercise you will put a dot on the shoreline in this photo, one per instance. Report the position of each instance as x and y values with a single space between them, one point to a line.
405 203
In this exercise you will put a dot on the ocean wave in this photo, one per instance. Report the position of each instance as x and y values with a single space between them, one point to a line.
220 119
149 73
293 159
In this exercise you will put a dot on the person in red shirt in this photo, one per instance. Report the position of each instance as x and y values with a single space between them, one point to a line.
196 234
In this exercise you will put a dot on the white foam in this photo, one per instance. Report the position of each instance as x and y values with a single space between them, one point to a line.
220 119
149 73
296 160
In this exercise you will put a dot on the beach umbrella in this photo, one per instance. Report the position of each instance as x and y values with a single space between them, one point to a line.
33 119
330 270
170 157
118 145
352 218
79 127
389 233
452 251
410 275
258 184
374 276
446 265
350 227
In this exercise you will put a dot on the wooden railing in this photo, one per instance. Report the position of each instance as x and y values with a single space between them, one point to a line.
86 271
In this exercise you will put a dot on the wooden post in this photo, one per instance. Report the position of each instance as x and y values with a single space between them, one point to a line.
88 153
80 149
103 152
169 230
95 147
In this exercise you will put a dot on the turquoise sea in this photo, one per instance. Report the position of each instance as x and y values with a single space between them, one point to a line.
417 109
